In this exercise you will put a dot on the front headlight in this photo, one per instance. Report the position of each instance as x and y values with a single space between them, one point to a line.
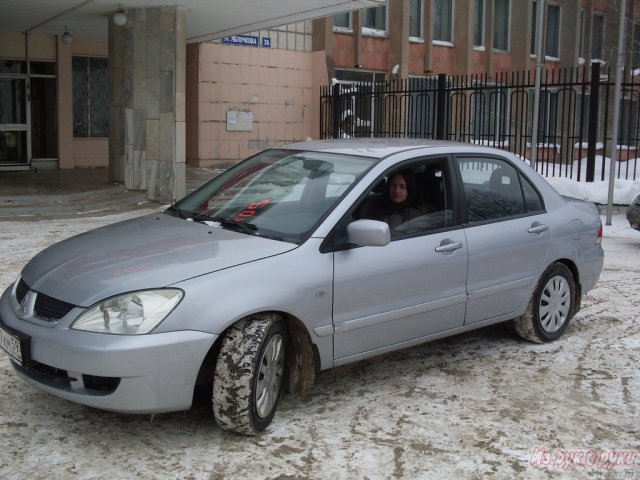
129 314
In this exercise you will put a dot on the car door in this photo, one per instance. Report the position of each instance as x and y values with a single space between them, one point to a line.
508 234
412 287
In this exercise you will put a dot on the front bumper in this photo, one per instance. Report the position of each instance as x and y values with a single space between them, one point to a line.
149 373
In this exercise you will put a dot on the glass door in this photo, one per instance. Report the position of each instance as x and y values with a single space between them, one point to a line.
13 122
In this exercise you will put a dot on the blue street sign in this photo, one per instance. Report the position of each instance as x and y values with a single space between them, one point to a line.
248 40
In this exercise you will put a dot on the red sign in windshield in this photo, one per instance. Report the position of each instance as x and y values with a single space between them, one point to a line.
250 211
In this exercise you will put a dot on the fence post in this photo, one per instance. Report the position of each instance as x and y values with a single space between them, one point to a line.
592 132
336 110
441 106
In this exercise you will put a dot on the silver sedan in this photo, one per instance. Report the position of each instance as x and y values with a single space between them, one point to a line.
299 259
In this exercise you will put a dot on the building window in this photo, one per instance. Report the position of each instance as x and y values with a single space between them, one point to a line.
375 18
597 36
90 77
501 25
552 47
443 20
552 39
296 36
415 18
478 24
635 49
342 21
534 27
581 40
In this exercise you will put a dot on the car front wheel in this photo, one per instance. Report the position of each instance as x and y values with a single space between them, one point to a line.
551 307
249 374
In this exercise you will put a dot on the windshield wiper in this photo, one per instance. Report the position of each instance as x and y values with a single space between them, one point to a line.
248 228
175 209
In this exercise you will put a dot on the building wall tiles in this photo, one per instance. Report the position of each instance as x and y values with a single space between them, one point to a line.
275 86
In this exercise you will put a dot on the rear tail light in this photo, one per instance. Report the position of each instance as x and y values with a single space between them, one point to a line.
599 237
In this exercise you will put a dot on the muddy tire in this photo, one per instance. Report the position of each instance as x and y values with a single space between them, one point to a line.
551 307
249 374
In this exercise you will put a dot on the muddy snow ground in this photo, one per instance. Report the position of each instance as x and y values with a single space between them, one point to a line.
480 404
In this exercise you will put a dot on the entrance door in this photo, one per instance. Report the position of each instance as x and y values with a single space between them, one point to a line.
13 122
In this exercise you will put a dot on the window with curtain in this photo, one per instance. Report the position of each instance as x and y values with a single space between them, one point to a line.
552 47
415 18
443 20
534 24
375 18
501 25
478 24
581 40
597 36
552 40
635 60
90 78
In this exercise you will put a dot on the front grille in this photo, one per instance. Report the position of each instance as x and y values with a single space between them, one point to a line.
50 309
21 290
46 308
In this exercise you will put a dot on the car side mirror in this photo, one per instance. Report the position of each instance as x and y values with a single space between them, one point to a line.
368 233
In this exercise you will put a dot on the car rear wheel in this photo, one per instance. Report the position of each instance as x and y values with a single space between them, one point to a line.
249 374
551 307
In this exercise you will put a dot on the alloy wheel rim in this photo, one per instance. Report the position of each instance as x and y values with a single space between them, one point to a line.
270 372
555 303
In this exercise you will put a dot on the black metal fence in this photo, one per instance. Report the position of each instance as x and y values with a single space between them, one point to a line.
574 124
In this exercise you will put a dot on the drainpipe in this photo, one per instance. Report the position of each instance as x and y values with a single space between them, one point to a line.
541 7
616 110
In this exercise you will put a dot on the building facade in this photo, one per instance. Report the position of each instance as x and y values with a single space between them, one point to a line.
415 38
240 97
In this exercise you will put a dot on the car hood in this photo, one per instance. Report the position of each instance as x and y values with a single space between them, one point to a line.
152 251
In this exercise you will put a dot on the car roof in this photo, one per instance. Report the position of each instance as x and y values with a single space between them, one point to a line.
378 147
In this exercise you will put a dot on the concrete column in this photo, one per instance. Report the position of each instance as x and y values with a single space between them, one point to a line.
570 33
322 39
521 19
427 22
611 29
65 100
356 21
147 142
463 37
586 36
398 11
489 10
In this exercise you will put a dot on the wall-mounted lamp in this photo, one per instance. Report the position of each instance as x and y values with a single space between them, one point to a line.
66 36
120 18
394 71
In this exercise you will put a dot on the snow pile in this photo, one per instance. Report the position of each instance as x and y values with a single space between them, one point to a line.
597 191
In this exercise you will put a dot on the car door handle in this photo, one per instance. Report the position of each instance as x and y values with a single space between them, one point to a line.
449 247
538 228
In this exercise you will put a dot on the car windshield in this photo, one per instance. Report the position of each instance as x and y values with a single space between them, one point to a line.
281 194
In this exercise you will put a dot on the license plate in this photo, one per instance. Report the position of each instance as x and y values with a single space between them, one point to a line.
12 345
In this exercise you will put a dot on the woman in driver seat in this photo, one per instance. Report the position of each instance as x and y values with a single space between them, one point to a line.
398 205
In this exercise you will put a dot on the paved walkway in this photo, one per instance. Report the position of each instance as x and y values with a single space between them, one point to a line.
32 195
